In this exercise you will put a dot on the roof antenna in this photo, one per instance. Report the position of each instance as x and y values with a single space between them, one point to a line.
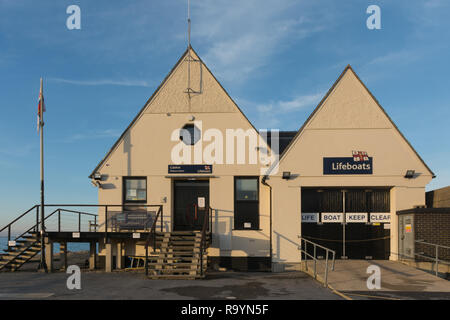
189 23
190 92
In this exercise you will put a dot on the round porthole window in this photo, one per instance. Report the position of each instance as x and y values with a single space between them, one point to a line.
190 134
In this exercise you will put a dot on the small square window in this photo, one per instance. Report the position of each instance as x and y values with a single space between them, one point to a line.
135 189
247 189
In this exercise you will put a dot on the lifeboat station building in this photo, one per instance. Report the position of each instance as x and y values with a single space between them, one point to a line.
338 181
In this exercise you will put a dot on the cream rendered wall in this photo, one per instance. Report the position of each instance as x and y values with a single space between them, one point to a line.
286 223
349 119
146 147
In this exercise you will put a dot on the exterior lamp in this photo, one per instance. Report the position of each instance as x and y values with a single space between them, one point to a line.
97 176
409 174
286 175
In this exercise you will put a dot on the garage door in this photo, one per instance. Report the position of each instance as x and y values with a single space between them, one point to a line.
354 222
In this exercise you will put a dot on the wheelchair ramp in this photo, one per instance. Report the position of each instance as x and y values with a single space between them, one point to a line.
397 280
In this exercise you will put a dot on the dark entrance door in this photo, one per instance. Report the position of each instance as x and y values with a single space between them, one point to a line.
188 215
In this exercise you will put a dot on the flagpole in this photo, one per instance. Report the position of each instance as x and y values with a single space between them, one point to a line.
42 265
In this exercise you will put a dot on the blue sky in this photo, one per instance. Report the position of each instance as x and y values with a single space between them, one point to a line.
275 58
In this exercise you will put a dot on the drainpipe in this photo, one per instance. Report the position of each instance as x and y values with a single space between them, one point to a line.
263 181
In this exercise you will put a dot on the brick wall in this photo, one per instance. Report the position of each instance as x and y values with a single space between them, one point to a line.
431 225
433 228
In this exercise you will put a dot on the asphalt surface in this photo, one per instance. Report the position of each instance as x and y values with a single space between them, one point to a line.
129 286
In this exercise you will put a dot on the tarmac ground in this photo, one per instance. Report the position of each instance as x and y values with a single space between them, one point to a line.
132 285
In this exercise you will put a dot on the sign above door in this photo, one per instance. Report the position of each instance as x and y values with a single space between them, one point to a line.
190 168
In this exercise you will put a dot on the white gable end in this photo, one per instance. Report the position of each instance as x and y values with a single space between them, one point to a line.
350 119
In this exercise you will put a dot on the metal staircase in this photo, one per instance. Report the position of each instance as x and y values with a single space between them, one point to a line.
26 248
180 255
169 255
27 244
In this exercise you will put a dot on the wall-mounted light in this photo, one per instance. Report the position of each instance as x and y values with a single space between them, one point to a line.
97 176
410 174
286 175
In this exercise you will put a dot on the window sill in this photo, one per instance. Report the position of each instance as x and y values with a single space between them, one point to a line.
246 229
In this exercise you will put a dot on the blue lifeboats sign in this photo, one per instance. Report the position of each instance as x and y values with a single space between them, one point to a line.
347 165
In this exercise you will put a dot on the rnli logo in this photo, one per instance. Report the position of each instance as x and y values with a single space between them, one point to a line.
360 156
359 163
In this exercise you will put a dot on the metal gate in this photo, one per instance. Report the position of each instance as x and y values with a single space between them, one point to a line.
354 221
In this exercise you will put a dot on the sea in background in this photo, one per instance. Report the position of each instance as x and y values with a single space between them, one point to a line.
73 246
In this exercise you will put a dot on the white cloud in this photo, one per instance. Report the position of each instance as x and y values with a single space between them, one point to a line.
274 114
246 34
295 104
103 82
399 57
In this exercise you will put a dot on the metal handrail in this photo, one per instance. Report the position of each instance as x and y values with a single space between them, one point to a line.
36 226
70 205
314 257
432 244
436 257
151 234
18 218
203 239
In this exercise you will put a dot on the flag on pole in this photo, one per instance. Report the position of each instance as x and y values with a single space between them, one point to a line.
41 105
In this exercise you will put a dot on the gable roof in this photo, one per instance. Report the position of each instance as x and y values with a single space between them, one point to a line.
152 97
347 68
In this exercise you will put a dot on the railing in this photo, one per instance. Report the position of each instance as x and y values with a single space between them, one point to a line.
36 227
79 215
304 250
206 226
21 217
73 219
152 236
422 255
